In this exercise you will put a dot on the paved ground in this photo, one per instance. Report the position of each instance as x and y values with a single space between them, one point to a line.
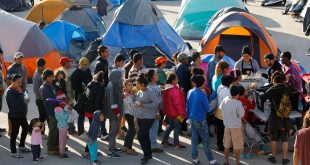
287 33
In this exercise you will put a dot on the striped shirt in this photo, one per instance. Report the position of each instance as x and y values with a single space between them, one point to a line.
133 74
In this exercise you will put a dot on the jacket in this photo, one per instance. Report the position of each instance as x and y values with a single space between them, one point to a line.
249 105
37 82
95 96
103 65
62 117
78 78
48 91
173 101
197 105
16 103
272 69
94 127
184 76
18 69
150 104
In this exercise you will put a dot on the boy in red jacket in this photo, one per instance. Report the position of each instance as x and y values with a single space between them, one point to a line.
247 104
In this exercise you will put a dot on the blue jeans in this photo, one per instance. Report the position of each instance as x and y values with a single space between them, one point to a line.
93 149
200 128
175 125
153 133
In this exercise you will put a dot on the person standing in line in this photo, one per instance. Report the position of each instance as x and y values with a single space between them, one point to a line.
183 72
129 64
233 113
37 82
302 143
147 107
17 105
136 68
219 53
17 68
197 106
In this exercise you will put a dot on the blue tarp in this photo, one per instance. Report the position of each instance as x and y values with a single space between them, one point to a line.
60 33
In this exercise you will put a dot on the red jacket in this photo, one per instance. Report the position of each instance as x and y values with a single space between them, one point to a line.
173 101
249 105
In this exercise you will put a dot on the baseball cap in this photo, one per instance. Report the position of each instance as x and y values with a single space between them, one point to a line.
84 61
269 56
160 60
65 60
18 55
219 48
182 56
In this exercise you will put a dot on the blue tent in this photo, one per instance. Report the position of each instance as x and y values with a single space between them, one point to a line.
61 33
143 27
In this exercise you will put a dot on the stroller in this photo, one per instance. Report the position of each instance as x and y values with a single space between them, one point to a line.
254 136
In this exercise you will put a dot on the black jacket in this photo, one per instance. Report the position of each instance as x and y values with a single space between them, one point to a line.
78 78
184 76
272 69
16 103
103 65
60 85
95 97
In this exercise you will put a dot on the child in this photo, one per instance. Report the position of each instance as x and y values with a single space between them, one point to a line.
196 108
129 115
247 104
174 108
233 112
153 78
94 129
36 128
62 114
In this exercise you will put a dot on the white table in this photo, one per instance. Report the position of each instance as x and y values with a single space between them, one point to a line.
264 117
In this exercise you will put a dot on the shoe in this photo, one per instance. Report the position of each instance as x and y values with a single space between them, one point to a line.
41 158
124 129
166 144
2 130
285 161
131 152
113 155
145 160
179 146
17 155
124 149
63 156
196 162
157 150
200 145
272 160
24 149
117 150
104 138
36 161
44 137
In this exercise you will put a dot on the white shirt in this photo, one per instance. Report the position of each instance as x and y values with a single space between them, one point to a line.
222 92
233 112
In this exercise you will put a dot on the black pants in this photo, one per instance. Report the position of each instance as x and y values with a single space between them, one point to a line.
160 127
16 123
219 132
131 131
144 136
36 152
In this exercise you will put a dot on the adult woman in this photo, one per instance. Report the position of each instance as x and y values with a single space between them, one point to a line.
147 108
246 64
220 70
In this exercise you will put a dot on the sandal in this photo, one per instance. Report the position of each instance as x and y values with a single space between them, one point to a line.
17 155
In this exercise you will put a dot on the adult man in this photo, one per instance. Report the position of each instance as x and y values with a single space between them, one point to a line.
183 72
219 53
79 80
119 62
102 63
17 68
273 66
37 82
290 71
136 68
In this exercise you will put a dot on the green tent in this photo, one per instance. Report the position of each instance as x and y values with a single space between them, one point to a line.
194 15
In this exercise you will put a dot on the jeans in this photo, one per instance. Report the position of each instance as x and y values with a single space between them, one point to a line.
114 126
200 128
153 134
93 149
144 136
176 125
219 132
16 123
62 139
53 137
131 131
80 123
36 152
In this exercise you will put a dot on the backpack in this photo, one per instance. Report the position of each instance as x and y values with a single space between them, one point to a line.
285 107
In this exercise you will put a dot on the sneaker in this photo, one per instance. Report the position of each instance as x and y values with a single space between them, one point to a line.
272 160
36 161
157 150
285 161
41 158
2 130
117 150
104 138
196 162
24 149
179 146
166 144
200 145
63 156
17 155
131 152
113 155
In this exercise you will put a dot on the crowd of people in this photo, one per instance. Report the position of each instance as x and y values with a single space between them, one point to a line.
184 99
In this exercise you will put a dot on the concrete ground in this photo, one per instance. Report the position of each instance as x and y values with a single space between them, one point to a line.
287 33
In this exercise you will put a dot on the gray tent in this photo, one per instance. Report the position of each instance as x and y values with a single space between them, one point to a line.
14 5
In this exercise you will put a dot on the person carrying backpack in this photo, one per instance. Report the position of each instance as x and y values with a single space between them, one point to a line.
278 123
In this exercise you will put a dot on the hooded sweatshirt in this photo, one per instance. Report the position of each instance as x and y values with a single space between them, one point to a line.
173 101
94 126
114 94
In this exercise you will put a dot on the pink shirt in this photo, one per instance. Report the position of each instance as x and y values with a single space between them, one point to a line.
36 137
302 144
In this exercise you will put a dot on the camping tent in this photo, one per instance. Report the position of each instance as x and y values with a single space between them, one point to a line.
143 28
19 35
14 5
271 2
75 2
236 29
61 34
46 11
194 15
86 18
306 23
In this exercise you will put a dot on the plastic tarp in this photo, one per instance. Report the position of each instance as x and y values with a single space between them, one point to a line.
194 15
61 33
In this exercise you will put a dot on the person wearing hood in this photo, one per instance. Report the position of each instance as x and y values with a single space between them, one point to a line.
79 79
17 68
92 134
175 109
114 108
246 64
